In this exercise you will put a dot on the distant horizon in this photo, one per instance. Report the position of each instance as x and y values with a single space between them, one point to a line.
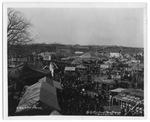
87 26
83 44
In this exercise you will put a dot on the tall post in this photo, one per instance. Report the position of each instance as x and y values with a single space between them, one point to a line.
112 101
137 73
109 100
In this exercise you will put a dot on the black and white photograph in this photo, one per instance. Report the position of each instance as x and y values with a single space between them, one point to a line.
78 59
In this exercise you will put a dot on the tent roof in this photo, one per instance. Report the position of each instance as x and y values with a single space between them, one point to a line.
104 66
30 97
139 67
52 82
89 55
120 97
85 58
81 66
47 80
26 71
69 68
86 55
118 90
57 84
77 61
40 91
55 113
108 81
135 92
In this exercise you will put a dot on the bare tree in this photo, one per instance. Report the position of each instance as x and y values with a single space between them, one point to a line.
17 30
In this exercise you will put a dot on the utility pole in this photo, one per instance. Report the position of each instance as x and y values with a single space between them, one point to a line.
137 67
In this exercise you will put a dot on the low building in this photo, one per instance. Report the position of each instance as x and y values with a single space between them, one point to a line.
12 62
115 55
131 102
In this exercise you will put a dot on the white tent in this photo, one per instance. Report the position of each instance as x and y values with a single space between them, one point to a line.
118 90
115 55
69 68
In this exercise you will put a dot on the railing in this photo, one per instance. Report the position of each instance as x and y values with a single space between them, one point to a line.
132 108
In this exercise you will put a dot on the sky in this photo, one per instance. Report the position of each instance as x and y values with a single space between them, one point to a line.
87 26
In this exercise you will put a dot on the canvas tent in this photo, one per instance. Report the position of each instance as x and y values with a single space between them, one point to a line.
69 68
138 67
86 57
26 71
118 90
115 54
81 66
77 61
55 113
134 92
89 56
40 91
104 66
47 80
52 82
108 81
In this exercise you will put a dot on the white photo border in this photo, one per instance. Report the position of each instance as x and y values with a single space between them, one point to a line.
68 5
